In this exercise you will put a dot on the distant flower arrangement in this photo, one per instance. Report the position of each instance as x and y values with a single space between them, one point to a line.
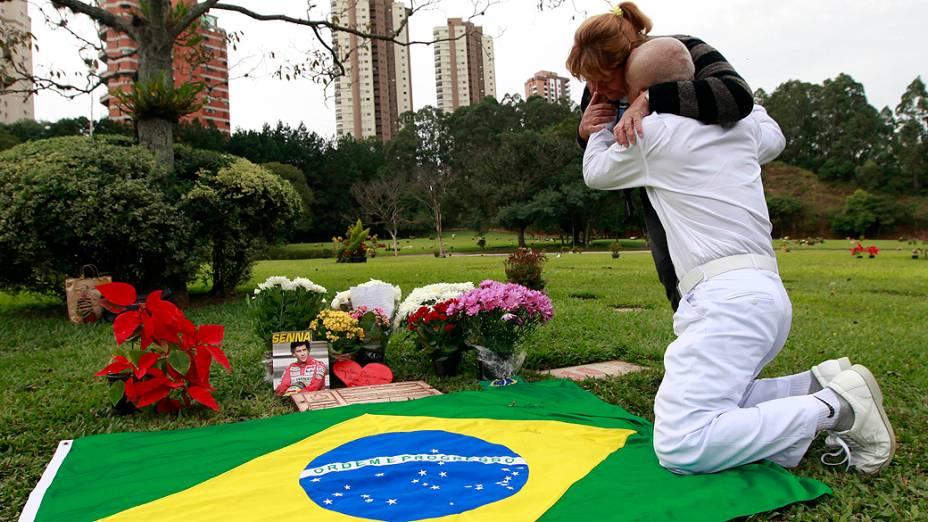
858 250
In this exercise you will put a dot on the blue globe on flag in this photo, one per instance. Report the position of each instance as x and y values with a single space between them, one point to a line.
413 475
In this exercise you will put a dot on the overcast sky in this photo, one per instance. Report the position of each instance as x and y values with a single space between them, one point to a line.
767 42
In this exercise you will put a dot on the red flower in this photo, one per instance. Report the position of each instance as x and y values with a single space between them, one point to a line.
181 361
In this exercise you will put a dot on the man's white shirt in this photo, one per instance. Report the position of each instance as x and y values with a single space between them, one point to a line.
703 181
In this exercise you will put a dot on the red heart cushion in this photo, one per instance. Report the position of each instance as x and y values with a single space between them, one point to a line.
352 374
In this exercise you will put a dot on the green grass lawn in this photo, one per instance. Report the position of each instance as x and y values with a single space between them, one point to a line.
465 242
456 242
872 310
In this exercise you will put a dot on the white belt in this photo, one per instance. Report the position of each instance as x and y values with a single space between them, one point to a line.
726 264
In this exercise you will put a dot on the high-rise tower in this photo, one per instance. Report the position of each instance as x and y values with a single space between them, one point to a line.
465 71
376 87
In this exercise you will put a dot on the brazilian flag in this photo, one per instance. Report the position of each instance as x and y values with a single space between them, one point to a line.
548 451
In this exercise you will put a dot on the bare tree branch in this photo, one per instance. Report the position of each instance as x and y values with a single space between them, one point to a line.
96 13
315 24
196 11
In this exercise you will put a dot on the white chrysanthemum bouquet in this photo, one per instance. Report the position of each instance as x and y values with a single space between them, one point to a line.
280 304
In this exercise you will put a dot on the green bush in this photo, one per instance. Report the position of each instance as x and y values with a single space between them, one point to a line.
8 140
786 214
297 251
239 210
300 228
866 214
524 267
65 202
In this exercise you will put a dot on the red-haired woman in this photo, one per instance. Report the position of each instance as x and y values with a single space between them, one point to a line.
718 94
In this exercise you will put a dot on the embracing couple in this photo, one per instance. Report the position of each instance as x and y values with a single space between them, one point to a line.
693 140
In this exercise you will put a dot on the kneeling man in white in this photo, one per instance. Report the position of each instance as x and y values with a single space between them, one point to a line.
711 412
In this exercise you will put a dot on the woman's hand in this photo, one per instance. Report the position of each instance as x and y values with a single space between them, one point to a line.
629 127
597 115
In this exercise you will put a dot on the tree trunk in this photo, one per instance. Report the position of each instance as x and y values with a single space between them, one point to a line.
156 63
522 236
441 242
157 135
393 231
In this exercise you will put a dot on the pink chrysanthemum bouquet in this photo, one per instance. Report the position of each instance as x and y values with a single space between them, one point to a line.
497 316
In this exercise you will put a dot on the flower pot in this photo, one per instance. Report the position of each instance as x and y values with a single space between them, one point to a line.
448 366
357 259
495 366
123 406
334 381
370 353
615 255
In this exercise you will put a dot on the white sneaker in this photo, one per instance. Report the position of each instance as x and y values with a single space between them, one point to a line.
825 371
870 444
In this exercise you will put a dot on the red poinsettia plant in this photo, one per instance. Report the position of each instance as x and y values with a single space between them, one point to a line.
170 366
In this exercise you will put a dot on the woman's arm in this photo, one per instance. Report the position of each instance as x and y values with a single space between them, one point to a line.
717 95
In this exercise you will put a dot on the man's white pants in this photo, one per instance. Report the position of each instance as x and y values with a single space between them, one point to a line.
711 413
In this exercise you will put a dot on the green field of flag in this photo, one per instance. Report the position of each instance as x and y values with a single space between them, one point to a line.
547 451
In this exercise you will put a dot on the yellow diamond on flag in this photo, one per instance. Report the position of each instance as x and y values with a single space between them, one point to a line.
377 467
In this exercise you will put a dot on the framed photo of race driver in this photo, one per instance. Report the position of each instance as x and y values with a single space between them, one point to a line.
299 364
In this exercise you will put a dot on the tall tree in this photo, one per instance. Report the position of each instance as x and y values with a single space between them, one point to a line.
795 105
384 201
912 134
422 148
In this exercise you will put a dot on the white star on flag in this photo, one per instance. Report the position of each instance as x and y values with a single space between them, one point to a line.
515 473
317 479
371 500
479 486
434 451
391 501
414 481
328 501
347 486
336 494
442 474
422 473
441 463
365 496
379 475
436 487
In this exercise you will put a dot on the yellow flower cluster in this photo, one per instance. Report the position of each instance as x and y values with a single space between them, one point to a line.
337 325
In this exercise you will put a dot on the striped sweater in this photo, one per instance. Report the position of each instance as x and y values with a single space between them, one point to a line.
717 95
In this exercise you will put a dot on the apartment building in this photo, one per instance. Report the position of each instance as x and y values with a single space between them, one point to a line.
211 68
548 85
465 71
15 106
376 87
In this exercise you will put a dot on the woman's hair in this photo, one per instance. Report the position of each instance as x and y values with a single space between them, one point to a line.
603 42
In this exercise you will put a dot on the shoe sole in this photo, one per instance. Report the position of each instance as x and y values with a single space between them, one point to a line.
878 399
